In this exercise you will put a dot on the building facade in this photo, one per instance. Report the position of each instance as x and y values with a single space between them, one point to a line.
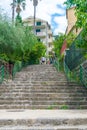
42 30
71 21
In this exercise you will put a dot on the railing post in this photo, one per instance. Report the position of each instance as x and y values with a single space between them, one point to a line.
2 74
58 65
81 74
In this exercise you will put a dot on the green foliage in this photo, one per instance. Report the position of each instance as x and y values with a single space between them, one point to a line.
81 11
64 107
29 40
58 44
18 20
50 107
19 5
70 38
16 43
38 51
81 41
85 56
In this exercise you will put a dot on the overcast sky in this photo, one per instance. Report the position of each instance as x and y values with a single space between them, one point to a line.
53 11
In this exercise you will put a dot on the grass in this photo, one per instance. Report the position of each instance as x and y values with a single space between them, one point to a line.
64 107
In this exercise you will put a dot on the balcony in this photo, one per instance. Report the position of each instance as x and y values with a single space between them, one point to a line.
50 32
40 26
50 40
41 34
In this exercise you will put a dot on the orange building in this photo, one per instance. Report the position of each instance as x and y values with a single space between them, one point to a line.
71 20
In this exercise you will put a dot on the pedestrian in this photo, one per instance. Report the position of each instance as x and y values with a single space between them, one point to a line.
43 60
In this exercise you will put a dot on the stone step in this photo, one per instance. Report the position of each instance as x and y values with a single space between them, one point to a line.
57 90
44 90
40 86
40 73
43 119
39 102
24 82
46 107
43 94
20 127
44 98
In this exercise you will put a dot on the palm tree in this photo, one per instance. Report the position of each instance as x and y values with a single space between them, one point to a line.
18 5
35 3
13 4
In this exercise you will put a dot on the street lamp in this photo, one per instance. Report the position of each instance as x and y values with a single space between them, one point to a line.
35 3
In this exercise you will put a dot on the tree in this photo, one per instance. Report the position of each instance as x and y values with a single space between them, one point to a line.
81 11
81 40
37 52
29 41
13 10
70 38
19 5
58 44
10 41
16 43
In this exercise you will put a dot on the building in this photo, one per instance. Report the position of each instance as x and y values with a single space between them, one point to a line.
71 21
42 30
71 27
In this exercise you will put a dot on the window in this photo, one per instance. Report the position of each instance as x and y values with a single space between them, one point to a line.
38 23
49 36
38 30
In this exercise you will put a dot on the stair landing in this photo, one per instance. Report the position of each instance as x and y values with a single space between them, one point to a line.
43 120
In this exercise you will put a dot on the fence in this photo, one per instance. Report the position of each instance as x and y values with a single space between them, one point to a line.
59 65
9 70
73 59
71 76
83 76
2 74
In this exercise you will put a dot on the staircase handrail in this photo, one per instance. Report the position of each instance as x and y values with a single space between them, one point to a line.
83 76
2 73
71 76
56 64
17 67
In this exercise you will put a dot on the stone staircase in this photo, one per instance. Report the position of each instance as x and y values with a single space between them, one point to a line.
42 87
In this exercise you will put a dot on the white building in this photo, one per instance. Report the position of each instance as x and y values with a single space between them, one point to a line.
42 30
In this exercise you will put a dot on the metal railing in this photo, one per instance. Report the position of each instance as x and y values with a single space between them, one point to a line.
6 72
56 64
79 75
75 56
59 65
83 76
17 67
2 74
71 76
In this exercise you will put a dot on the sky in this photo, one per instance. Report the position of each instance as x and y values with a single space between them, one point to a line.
53 11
